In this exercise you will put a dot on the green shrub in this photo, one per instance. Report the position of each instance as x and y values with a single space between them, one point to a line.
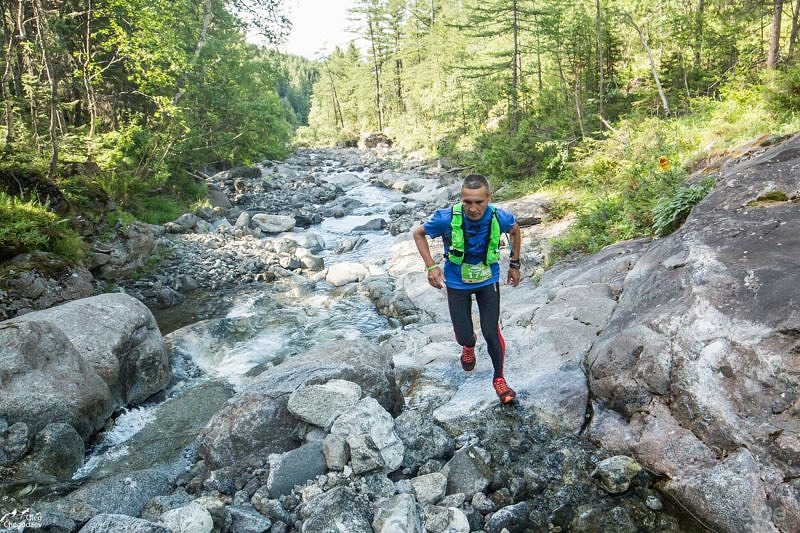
599 222
783 90
27 226
670 212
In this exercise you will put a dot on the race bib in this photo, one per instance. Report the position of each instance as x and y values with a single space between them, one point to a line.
475 273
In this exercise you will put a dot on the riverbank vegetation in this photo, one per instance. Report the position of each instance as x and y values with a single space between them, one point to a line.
113 109
609 104
110 107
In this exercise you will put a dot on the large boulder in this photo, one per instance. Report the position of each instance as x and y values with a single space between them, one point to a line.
529 210
700 359
117 336
127 253
257 420
44 379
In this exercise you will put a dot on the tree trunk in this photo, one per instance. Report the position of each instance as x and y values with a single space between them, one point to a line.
578 104
599 31
91 101
398 66
42 32
514 72
377 71
337 109
793 35
564 85
10 37
643 39
699 25
538 56
201 43
775 34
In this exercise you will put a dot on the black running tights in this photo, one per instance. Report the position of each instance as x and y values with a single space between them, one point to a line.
488 297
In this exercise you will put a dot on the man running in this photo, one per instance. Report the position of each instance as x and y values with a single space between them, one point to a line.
471 232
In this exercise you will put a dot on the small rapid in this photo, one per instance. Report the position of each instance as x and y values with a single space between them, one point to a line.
233 337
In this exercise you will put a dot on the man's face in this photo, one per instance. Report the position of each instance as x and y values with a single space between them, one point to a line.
475 202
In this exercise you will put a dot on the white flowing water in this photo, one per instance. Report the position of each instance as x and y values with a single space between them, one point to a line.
258 329
264 328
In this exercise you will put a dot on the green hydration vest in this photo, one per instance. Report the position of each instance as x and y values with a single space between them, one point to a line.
458 238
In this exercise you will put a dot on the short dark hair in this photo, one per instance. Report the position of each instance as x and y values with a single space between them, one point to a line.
475 181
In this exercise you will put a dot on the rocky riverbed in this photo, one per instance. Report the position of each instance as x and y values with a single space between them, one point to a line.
315 385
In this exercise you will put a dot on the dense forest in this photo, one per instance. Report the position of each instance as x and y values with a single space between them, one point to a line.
115 109
610 104
120 103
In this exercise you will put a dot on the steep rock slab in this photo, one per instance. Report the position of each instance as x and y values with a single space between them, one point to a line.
163 441
118 336
124 494
706 334
257 420
548 331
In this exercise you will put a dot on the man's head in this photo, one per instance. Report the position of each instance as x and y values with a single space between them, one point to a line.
475 196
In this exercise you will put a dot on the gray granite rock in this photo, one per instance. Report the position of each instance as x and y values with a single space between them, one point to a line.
39 389
334 448
248 520
365 456
118 336
368 417
272 223
399 514
339 509
320 404
120 523
257 421
57 452
430 488
295 467
124 494
616 473
467 472
191 518
422 439
512 518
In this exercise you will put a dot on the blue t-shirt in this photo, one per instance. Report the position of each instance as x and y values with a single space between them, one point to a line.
477 232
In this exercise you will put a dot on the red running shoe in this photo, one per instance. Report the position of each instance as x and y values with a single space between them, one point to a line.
467 358
504 392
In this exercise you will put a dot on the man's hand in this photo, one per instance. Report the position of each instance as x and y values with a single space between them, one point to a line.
435 275
436 278
513 277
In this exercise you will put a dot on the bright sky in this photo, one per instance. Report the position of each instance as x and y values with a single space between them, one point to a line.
317 26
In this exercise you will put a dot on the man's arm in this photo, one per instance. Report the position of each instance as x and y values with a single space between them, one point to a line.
516 245
435 275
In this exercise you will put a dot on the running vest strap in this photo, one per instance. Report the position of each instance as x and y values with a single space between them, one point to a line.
458 238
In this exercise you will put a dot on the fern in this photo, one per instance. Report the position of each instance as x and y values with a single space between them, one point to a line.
670 212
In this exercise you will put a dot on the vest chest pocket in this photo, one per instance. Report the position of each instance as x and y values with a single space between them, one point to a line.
475 273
